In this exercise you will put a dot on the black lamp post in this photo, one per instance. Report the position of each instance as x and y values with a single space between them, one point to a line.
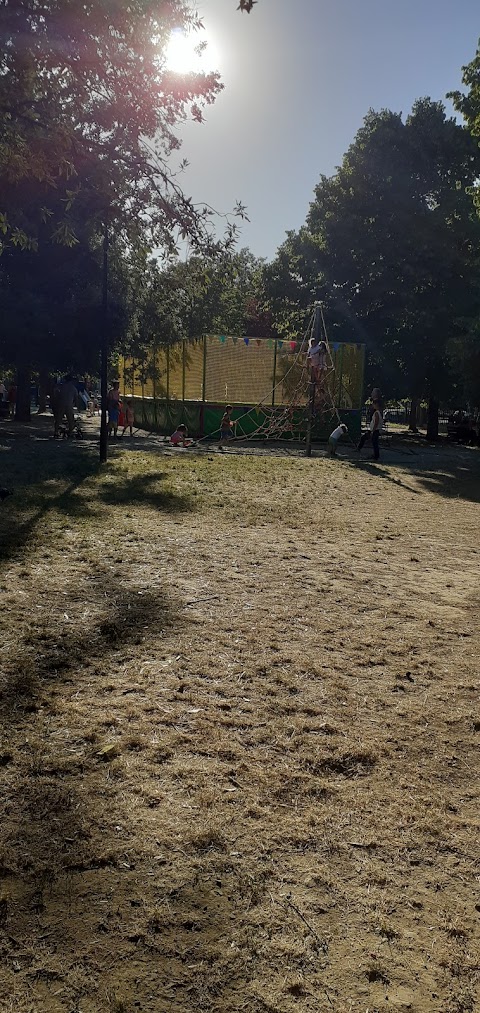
104 353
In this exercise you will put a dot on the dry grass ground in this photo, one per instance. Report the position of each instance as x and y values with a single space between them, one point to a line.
240 733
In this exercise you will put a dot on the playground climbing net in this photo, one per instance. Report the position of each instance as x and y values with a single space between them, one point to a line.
289 420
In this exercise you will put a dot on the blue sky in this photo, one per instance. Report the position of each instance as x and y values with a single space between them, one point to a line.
299 77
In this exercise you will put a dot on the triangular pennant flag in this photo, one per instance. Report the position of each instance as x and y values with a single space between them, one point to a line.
246 340
269 343
280 344
234 340
293 345
336 346
223 339
259 342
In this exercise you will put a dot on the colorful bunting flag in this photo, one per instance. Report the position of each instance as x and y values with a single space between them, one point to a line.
223 339
259 342
234 340
293 345
247 341
280 344
269 343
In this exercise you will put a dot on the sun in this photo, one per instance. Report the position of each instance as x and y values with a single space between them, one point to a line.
182 55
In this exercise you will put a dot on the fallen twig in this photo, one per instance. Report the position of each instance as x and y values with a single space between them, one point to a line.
294 907
194 601
287 901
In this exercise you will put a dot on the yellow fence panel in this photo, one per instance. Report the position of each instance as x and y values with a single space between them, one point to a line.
243 370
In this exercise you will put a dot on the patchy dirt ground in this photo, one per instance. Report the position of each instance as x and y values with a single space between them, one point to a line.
240 728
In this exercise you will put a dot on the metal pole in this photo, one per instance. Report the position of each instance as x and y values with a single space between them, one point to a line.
183 379
104 353
204 373
154 383
204 387
274 372
317 320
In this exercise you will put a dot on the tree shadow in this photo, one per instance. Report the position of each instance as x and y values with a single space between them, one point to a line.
15 533
447 471
123 617
377 471
143 489
29 459
37 475
61 800
51 656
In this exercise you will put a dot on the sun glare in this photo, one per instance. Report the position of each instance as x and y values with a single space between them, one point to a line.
182 54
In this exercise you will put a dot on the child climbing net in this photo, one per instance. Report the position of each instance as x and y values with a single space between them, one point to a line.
310 370
314 365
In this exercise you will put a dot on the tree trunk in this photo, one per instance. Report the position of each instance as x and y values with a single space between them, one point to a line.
432 422
22 411
412 422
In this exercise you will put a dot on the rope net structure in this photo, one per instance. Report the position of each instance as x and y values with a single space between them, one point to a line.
266 380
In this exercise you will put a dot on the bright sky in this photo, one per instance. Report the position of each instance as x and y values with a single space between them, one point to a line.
299 77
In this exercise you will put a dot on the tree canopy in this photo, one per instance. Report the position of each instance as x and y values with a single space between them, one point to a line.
390 245
88 117
187 299
88 108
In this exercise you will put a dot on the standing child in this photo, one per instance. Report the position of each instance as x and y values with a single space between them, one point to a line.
129 418
226 427
317 357
335 437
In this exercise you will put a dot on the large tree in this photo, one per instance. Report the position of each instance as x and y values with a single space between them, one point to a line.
85 87
391 246
468 104
187 299
218 296
88 110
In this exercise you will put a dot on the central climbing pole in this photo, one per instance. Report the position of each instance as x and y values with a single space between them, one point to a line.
316 330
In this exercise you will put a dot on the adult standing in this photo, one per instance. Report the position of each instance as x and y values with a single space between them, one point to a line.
113 407
374 430
375 396
65 399
12 399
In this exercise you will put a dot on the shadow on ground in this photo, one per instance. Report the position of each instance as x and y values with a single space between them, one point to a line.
62 852
450 472
34 477
143 489
50 826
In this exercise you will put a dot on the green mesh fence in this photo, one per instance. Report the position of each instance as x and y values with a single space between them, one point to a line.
192 381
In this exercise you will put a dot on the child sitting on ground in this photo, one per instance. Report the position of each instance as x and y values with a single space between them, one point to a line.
180 437
335 437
